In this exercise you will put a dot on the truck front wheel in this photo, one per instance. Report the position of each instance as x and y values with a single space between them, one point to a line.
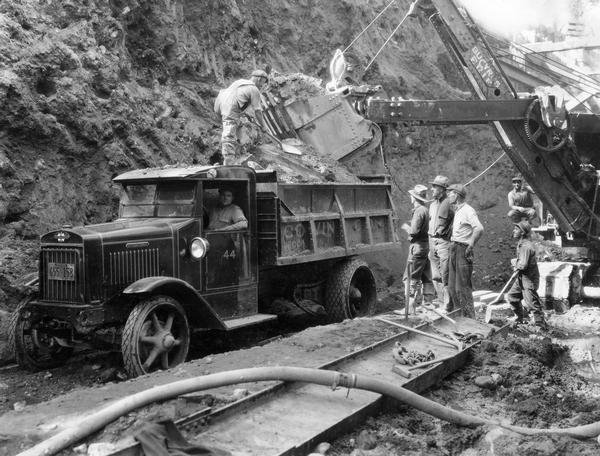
350 291
35 347
156 336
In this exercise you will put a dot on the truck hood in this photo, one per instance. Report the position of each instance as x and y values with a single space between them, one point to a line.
122 229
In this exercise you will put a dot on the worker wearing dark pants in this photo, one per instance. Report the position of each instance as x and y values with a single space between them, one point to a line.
520 201
440 229
466 231
420 278
527 281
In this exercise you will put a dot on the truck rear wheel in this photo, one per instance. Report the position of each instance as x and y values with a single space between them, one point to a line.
156 336
350 291
33 347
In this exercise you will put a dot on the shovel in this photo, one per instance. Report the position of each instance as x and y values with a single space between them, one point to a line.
285 147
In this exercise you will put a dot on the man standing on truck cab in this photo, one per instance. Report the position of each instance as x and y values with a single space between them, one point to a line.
441 215
520 201
528 278
241 97
227 216
466 231
419 249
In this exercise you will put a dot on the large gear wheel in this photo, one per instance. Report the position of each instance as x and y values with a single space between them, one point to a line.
545 138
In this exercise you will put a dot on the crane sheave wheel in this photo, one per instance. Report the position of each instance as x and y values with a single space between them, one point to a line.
350 291
156 336
34 347
545 138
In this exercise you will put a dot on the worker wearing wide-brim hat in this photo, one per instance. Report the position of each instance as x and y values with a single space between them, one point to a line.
420 282
441 215
241 97
466 231
525 286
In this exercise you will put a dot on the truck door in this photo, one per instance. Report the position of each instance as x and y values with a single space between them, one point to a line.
227 229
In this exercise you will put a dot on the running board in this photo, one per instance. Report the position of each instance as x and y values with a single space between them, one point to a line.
236 323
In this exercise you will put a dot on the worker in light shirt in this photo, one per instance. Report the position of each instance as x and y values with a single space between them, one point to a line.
466 231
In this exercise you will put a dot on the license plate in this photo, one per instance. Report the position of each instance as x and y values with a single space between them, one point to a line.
61 271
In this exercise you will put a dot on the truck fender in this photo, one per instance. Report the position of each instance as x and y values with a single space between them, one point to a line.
197 307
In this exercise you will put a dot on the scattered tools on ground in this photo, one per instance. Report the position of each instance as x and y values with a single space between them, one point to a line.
458 346
437 312
406 371
412 357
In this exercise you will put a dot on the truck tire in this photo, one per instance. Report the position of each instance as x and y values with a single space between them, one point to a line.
156 336
33 348
350 291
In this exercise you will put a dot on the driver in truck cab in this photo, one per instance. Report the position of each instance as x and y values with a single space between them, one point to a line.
227 216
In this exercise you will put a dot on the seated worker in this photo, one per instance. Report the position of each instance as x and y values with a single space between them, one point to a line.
520 201
227 216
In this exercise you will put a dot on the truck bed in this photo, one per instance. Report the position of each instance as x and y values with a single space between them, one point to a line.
300 223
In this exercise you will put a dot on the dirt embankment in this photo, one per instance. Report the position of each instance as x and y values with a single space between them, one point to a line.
89 89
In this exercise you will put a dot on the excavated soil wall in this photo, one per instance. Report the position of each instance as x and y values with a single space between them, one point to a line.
91 88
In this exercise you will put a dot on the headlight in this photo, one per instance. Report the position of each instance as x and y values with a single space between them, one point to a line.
198 248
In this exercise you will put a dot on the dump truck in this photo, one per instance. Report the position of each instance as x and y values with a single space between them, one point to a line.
148 279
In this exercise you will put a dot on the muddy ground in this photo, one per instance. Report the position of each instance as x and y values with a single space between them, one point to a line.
543 382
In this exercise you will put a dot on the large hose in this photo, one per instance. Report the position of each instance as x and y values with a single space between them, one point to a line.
334 379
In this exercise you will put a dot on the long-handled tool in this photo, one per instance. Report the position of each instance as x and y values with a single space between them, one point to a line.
286 147
500 297
507 285
423 333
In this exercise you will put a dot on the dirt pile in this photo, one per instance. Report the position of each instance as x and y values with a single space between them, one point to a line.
536 387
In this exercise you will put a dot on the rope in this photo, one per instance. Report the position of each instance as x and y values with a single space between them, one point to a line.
486 170
408 13
368 26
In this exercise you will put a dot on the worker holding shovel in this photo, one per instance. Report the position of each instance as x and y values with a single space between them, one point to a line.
241 97
528 278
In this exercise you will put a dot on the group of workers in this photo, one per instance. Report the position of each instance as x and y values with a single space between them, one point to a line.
442 238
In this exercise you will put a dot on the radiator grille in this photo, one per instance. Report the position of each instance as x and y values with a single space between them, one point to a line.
62 290
129 266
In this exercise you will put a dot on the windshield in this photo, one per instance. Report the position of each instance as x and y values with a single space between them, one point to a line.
167 199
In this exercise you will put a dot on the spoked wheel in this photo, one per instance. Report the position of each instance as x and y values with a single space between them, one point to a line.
350 291
543 137
156 336
35 347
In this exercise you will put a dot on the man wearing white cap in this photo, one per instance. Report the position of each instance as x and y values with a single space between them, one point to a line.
242 96
419 249
466 231
441 215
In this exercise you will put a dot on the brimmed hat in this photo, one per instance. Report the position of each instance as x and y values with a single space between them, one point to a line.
458 188
419 192
517 178
524 226
260 74
440 181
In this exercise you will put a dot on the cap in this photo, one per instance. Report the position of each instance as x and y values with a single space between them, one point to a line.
260 74
458 188
419 192
524 226
440 181
517 178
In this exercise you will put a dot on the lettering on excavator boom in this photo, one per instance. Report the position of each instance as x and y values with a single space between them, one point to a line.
484 68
